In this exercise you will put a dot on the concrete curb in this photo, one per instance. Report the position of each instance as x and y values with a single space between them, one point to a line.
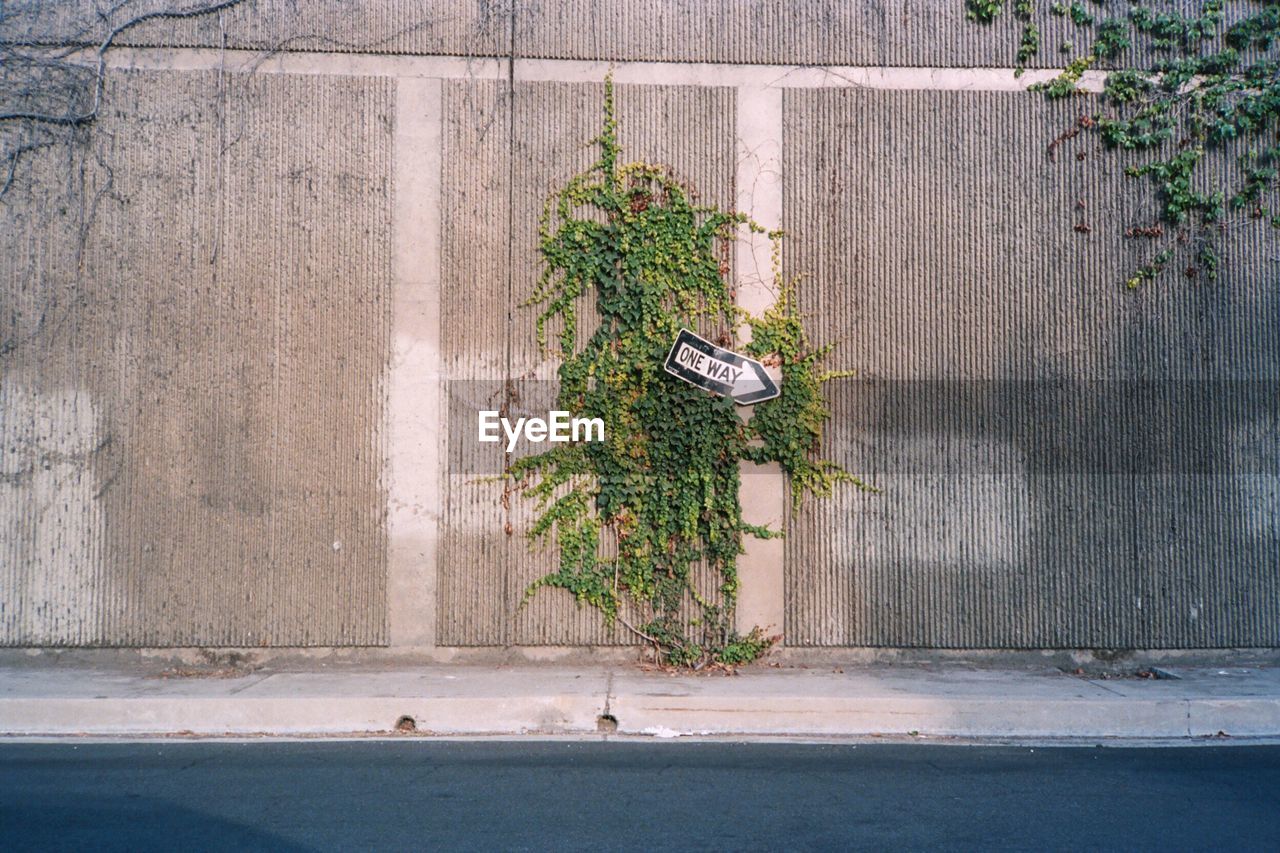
488 701
967 718
295 716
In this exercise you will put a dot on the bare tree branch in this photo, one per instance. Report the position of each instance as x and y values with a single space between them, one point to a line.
51 83
101 53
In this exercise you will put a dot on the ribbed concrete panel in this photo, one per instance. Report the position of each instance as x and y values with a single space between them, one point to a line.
1208 518
691 130
474 301
196 405
918 33
50 429
449 27
789 32
1064 463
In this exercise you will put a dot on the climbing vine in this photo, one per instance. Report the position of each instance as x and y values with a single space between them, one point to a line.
1213 87
639 518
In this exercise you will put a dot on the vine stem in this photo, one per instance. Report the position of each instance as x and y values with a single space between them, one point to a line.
633 629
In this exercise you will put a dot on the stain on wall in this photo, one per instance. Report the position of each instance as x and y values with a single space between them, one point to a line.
192 379
1064 463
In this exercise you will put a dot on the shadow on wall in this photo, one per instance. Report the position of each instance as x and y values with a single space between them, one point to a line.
1065 463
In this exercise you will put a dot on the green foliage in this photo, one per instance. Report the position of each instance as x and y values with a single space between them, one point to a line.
1170 31
1065 83
1260 173
790 426
1112 38
983 11
745 649
1256 31
1207 258
662 490
1180 199
1127 86
1030 44
1214 86
1150 270
1080 16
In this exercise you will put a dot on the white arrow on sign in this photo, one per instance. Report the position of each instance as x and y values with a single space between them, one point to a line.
720 371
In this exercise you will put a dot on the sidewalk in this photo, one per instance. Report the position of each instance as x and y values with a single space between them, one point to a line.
758 702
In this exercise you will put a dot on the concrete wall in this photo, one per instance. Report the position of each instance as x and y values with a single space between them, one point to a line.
196 320
910 33
1064 463
247 319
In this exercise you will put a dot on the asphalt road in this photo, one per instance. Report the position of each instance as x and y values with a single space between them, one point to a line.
415 794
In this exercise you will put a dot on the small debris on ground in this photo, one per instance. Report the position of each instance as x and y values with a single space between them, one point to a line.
201 672
1153 673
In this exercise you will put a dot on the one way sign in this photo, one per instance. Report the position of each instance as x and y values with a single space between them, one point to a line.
719 371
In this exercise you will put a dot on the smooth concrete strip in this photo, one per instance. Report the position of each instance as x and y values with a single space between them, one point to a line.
416 399
587 71
761 590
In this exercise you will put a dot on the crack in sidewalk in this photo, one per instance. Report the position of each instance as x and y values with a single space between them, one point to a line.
607 723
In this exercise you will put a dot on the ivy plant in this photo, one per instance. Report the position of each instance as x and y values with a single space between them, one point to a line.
636 519
1211 87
